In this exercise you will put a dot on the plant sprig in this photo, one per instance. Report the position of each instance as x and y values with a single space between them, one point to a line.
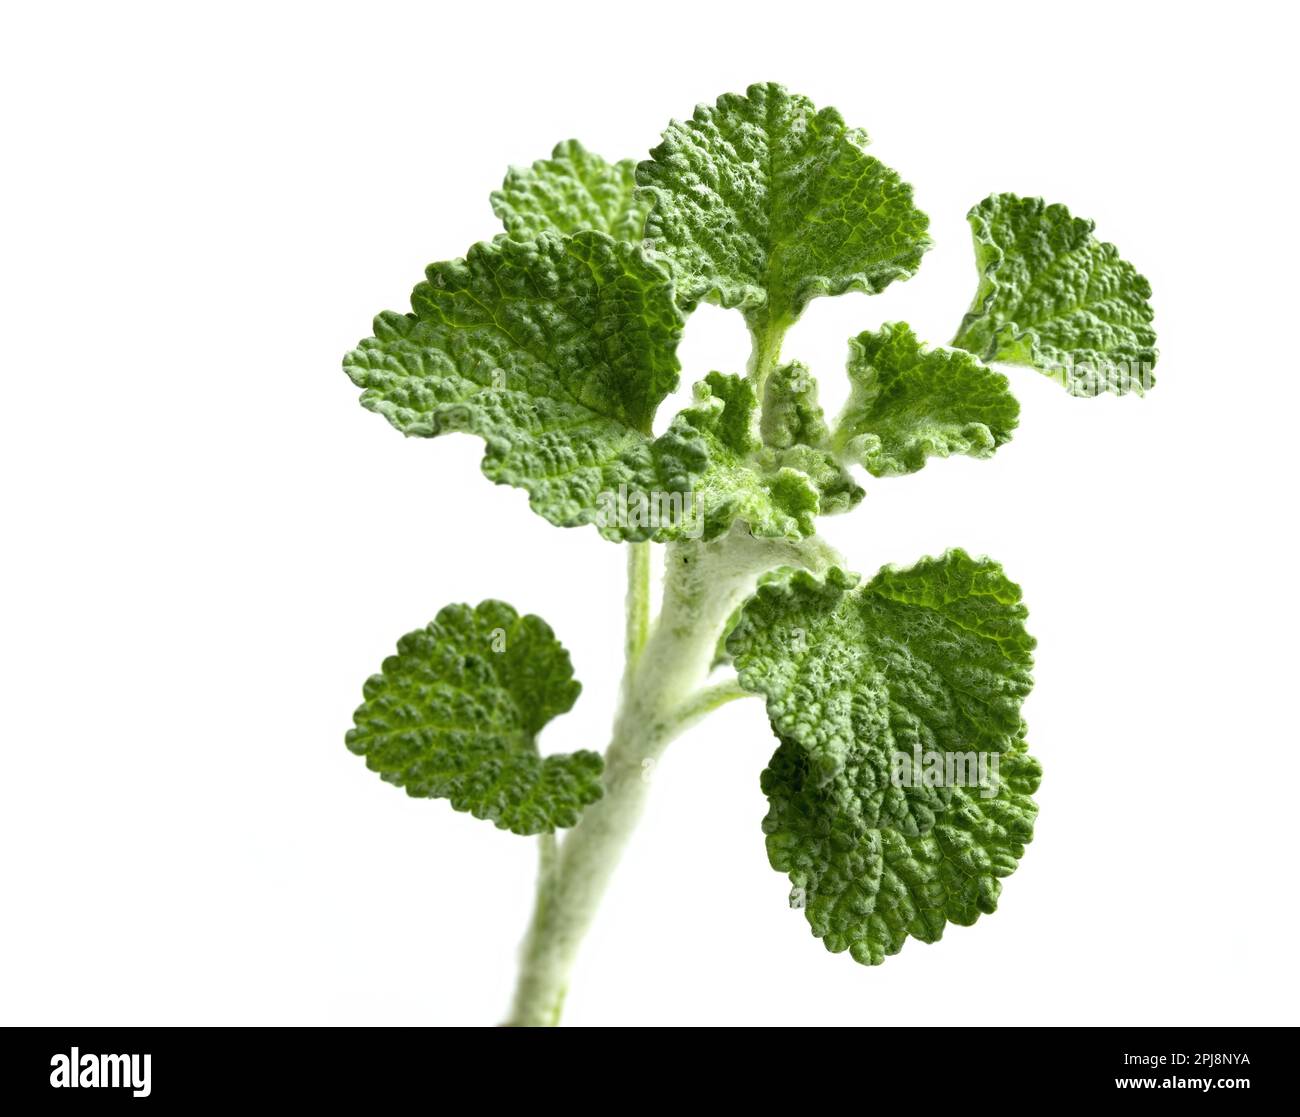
556 343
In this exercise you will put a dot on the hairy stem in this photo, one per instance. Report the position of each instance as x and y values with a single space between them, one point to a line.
706 700
664 693
766 336
638 601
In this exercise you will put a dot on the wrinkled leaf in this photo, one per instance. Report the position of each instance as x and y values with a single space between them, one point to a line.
1055 298
571 191
907 404
764 202
456 712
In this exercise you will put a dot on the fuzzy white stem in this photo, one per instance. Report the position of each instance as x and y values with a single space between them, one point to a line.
664 693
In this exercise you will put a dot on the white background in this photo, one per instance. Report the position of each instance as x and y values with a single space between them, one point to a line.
209 545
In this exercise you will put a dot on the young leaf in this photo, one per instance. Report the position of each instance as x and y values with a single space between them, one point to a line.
572 190
791 413
865 886
1053 297
908 403
456 712
795 436
738 481
923 663
556 351
936 653
762 202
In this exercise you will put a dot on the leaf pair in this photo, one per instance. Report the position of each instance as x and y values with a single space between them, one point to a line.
557 342
899 795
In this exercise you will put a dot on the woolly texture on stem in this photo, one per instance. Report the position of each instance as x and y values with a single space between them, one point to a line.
664 692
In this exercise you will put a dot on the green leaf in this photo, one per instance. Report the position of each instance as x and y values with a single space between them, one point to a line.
930 664
795 436
866 888
721 654
763 202
556 351
456 712
571 191
908 403
936 653
791 413
777 494
1053 297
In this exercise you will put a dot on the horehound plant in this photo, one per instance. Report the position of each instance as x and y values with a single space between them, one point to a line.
899 791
